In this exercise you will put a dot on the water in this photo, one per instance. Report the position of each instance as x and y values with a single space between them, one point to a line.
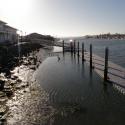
79 95
116 49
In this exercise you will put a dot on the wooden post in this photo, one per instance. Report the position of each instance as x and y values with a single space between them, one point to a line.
74 47
90 56
106 64
83 52
63 46
71 47
78 48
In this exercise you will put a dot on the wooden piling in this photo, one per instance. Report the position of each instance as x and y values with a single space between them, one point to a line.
74 47
83 52
90 56
113 73
71 47
78 48
106 64
63 46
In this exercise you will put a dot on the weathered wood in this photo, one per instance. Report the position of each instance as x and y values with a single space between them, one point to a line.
63 46
116 73
90 56
83 52
106 65
74 47
78 48
71 47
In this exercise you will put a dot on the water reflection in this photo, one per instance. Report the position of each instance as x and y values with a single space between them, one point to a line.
90 72
105 88
83 68
78 59
79 94
72 59
116 47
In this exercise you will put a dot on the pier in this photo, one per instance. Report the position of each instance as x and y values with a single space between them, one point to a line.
106 69
116 73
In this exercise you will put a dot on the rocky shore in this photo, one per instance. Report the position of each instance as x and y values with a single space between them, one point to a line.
16 75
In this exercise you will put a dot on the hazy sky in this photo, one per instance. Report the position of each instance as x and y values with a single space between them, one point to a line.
65 17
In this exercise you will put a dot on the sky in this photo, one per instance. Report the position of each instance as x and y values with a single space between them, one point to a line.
65 17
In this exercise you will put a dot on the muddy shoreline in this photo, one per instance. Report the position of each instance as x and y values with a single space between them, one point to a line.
11 55
16 77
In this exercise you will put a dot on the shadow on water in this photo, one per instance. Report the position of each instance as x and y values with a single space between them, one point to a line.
79 94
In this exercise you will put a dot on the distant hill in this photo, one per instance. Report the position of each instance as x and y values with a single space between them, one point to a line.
39 38
116 36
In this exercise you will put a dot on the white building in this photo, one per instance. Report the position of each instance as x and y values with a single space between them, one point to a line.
7 33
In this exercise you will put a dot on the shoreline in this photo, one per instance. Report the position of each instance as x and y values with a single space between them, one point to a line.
18 79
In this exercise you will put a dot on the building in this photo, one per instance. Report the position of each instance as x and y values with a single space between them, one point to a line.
7 33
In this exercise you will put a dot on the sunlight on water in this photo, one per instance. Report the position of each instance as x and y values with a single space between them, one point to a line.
29 105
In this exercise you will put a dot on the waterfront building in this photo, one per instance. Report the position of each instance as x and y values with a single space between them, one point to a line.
7 33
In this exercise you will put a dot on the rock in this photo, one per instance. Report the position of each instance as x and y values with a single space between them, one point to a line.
2 83
22 85
7 87
7 71
3 114
9 92
37 65
3 121
33 67
19 80
24 91
12 83
26 64
2 94
31 57
3 110
3 99
21 61
14 77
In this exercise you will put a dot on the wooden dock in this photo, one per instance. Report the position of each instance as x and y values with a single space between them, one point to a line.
116 73
107 70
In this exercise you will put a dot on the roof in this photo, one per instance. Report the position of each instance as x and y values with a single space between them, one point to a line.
10 27
3 22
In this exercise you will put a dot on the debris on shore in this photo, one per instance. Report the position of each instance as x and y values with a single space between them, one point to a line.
14 72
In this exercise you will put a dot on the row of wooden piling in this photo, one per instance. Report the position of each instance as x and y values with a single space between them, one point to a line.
73 50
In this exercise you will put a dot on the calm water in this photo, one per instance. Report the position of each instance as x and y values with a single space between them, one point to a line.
116 49
79 95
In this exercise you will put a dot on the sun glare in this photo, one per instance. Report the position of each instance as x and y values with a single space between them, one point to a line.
15 7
